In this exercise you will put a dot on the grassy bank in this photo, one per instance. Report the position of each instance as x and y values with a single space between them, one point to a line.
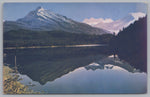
11 84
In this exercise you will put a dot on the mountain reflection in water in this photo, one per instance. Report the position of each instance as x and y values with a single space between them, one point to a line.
44 65
96 78
109 63
76 70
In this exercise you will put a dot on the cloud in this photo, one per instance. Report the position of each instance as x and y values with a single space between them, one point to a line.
93 21
137 15
114 26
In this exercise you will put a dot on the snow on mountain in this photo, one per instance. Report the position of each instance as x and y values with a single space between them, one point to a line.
41 17
114 26
46 20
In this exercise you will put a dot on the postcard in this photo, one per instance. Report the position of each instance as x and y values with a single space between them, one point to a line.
75 48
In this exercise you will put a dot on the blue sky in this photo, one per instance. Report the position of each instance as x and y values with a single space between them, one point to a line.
75 11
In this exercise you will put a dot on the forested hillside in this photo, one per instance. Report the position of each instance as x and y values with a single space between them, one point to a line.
131 44
25 38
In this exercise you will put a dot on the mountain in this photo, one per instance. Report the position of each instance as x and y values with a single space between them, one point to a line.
45 20
114 26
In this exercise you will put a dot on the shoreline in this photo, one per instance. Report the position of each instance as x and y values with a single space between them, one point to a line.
84 45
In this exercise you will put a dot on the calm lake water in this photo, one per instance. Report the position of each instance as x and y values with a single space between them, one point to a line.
76 70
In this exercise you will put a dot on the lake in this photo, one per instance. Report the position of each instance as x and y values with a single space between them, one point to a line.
80 69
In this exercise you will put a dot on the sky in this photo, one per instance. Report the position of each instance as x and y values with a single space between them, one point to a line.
75 11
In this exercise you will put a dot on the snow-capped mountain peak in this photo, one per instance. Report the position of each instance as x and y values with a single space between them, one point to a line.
39 13
38 9
42 17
